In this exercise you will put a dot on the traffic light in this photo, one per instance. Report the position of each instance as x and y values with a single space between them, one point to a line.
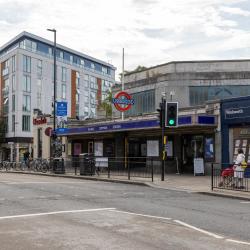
161 114
171 114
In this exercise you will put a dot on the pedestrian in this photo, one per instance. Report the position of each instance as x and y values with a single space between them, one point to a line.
239 168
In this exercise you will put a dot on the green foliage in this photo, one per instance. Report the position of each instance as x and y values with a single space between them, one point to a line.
107 105
137 69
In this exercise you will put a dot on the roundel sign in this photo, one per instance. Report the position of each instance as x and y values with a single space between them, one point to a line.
123 101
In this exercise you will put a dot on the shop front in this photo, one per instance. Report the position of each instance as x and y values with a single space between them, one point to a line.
235 128
139 139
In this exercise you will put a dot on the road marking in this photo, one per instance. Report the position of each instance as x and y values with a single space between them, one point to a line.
238 241
245 202
144 215
41 182
20 197
56 212
199 230
2 199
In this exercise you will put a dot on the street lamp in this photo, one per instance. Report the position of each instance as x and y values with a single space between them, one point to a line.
54 101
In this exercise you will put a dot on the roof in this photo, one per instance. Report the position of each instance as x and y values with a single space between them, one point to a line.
48 42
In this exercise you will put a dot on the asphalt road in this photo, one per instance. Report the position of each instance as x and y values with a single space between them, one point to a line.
39 212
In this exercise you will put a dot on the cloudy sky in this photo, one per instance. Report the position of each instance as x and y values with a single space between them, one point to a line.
151 31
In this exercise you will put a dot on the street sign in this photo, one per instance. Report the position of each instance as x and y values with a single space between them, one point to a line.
61 108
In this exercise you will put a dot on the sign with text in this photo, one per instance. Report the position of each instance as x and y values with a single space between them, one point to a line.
123 101
61 108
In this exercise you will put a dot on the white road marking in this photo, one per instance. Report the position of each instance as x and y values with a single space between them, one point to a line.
20 197
41 182
56 212
2 199
144 215
238 241
41 197
199 230
245 202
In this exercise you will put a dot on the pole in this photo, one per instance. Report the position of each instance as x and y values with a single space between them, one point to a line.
163 107
122 76
54 100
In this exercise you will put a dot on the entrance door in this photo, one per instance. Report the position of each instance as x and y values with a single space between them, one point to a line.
137 153
91 147
192 147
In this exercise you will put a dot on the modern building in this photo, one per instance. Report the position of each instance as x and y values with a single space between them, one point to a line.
26 84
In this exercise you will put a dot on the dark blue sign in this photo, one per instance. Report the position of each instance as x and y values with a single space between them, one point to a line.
61 108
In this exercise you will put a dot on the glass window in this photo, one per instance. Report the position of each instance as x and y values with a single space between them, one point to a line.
77 98
64 74
39 67
13 102
26 64
13 83
81 61
26 123
61 54
26 83
26 103
6 123
39 85
13 123
77 80
39 100
92 66
63 91
104 70
13 63
50 51
6 86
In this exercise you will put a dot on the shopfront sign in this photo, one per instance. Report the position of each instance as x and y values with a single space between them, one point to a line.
39 121
123 101
61 114
233 113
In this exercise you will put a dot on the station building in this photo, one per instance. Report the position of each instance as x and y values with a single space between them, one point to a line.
203 90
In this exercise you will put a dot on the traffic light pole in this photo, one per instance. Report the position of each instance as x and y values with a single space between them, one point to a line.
163 153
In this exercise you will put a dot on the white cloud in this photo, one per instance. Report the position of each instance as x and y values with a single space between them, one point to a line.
151 31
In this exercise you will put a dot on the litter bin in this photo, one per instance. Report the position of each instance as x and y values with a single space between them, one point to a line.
87 164
58 166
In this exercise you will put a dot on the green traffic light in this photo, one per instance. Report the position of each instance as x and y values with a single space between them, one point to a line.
171 122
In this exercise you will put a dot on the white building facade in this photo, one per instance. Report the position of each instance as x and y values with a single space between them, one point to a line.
27 84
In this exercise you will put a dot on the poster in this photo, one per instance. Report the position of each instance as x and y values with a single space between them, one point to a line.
153 148
98 148
209 148
169 149
198 166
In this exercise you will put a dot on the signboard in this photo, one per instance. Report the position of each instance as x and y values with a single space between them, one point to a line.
98 148
39 121
169 149
123 101
61 114
153 148
61 108
198 166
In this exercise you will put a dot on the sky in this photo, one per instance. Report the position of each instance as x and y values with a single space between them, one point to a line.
151 32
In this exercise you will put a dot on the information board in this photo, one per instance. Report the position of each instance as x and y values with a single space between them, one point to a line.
153 148
198 166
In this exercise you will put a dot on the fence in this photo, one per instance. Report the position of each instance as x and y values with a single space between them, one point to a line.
89 165
223 176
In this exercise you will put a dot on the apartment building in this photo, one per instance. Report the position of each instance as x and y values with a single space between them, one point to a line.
27 80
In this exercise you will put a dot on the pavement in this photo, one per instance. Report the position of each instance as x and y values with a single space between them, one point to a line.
179 182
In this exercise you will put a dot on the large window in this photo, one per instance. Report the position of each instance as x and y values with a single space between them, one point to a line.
26 64
26 123
64 74
13 83
63 91
199 95
26 103
26 83
13 103
144 102
39 67
13 123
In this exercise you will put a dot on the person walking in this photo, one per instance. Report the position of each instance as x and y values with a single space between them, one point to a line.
239 168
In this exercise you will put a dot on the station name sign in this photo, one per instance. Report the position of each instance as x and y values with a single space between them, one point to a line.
39 121
123 101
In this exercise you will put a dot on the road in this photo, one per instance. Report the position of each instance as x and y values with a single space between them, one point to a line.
39 212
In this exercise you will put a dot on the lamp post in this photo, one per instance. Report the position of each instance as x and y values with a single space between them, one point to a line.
54 101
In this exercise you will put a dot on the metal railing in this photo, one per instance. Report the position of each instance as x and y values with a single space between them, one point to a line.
224 176
89 165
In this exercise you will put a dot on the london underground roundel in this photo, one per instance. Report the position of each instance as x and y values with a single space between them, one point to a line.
123 101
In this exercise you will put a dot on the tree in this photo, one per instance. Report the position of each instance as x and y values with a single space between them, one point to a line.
107 104
137 69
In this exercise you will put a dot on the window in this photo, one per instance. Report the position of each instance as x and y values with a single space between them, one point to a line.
71 59
26 83
86 81
39 67
13 123
92 66
13 102
39 85
13 83
13 63
50 51
82 62
6 86
77 80
104 70
144 103
6 123
39 100
26 103
61 54
63 91
26 123
64 74
26 64
77 98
